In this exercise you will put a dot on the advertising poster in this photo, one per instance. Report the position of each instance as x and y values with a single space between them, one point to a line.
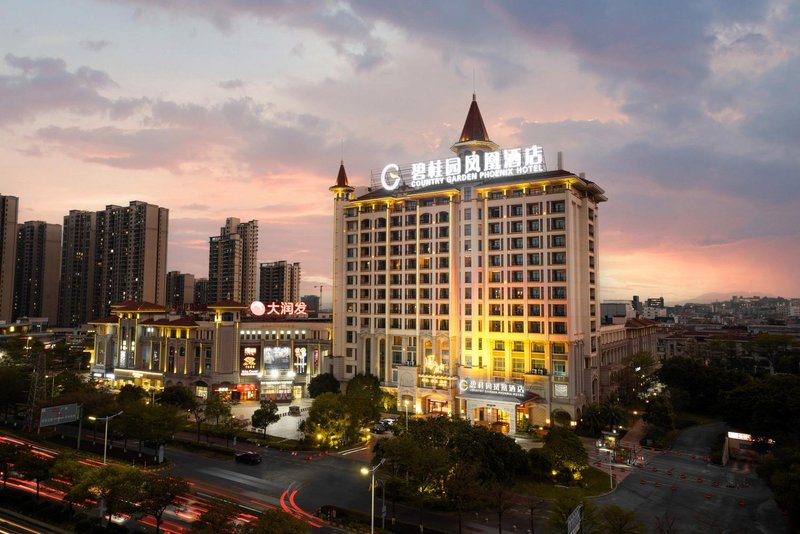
277 358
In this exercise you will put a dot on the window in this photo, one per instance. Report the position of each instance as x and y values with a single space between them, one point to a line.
535 275
558 223
558 258
519 346
499 345
534 242
425 218
495 244
495 228
467 214
558 292
495 326
535 225
467 229
515 210
558 348
496 260
535 327
559 327
442 217
557 206
517 276
495 276
559 368
535 310
558 275
559 310
499 364
515 226
534 208
558 241
515 243
516 293
494 212
535 258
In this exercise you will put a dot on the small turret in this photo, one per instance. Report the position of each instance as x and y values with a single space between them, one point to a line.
474 137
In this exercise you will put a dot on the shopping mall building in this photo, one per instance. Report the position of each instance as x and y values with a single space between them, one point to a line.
234 352
468 284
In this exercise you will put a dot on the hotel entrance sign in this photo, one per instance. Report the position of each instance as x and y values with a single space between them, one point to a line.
497 164
494 388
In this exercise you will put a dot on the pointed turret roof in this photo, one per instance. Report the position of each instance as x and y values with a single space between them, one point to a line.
341 180
474 136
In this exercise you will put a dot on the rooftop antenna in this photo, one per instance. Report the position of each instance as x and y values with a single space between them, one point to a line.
341 151
473 83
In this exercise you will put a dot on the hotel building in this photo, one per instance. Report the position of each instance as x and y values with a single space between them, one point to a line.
468 285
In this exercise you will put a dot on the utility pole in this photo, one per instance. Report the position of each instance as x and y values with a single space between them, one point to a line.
38 388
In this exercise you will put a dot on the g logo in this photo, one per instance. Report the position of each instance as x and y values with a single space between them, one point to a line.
391 170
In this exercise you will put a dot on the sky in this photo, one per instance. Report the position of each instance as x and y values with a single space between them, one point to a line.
686 113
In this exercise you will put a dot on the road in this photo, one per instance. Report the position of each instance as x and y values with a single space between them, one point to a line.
11 522
680 486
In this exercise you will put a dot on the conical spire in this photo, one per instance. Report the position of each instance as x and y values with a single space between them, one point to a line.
342 185
474 136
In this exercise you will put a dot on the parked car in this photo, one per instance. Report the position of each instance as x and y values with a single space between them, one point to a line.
294 410
249 458
389 422
378 428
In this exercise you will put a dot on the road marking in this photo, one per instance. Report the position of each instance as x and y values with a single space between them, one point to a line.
247 480
351 451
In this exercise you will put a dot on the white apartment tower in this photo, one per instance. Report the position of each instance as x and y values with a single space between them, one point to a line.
468 284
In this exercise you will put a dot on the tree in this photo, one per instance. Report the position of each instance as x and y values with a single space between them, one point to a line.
13 386
363 400
69 470
327 421
462 488
562 508
566 452
613 412
611 519
179 396
266 415
158 493
217 519
660 414
9 453
129 394
592 421
118 487
323 383
36 467
216 408
501 497
274 521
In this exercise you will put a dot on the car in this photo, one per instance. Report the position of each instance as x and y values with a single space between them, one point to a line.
388 422
378 428
294 410
249 458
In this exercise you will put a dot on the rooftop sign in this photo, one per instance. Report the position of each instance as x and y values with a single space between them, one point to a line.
497 164
296 309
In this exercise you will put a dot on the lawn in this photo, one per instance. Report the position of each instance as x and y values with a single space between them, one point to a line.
595 482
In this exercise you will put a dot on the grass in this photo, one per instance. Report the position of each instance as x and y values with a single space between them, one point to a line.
595 482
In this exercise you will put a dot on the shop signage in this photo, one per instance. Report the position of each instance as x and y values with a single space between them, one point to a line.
493 388
248 364
300 360
284 309
276 358
497 164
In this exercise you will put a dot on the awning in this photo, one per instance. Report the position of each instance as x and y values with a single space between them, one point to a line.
510 399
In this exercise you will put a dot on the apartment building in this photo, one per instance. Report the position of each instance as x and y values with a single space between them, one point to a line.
130 261
232 260
8 250
37 270
468 284
279 282
76 284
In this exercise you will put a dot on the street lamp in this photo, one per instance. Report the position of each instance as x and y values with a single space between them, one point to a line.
368 471
105 439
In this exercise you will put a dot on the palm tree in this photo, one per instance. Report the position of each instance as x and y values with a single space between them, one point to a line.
613 412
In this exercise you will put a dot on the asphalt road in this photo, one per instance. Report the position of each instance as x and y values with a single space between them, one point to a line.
679 486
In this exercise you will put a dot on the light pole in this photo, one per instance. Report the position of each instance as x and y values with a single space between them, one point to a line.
105 439
368 471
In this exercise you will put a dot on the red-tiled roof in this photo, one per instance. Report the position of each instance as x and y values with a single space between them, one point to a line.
183 321
341 179
134 306
111 319
639 323
227 304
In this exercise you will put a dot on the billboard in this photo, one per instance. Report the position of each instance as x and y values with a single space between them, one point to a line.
277 358
248 361
56 415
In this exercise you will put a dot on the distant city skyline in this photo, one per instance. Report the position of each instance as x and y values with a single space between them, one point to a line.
684 113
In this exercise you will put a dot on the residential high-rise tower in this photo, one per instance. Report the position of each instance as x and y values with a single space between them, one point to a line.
76 283
37 270
232 261
8 250
279 282
130 255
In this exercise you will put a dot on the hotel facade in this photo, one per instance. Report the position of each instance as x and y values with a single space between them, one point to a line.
468 284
